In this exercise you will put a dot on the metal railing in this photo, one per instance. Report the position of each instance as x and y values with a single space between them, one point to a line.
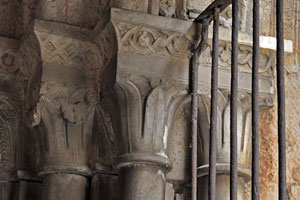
212 14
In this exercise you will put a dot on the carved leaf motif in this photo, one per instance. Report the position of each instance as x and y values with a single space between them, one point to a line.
73 102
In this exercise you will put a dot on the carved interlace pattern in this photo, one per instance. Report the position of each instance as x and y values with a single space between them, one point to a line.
68 51
147 41
266 65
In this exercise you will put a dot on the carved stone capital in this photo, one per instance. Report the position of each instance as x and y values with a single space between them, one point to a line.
152 78
223 140
16 86
223 131
151 61
147 97
147 105
68 96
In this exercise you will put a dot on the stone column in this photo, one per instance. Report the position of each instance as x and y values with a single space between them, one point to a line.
144 163
69 94
151 82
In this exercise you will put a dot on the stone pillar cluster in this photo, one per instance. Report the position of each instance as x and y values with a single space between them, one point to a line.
95 103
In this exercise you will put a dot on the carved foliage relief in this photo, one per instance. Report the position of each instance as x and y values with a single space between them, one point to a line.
149 41
67 114
147 106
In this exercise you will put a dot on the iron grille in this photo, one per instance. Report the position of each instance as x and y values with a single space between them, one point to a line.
205 18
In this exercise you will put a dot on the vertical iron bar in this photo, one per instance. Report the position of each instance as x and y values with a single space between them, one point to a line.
214 107
194 124
233 101
195 58
255 94
281 100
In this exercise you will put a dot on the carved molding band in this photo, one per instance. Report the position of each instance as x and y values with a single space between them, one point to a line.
267 59
151 42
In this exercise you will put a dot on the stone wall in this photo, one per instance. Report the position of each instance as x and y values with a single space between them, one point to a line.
268 126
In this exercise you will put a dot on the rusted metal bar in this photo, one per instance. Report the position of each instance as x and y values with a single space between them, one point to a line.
255 111
194 124
208 13
281 100
214 108
195 58
233 101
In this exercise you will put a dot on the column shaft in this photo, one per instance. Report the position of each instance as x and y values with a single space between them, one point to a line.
143 182
62 186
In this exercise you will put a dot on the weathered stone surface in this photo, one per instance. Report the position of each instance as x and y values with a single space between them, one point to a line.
143 182
65 186
29 190
85 125
83 13
145 6
105 186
